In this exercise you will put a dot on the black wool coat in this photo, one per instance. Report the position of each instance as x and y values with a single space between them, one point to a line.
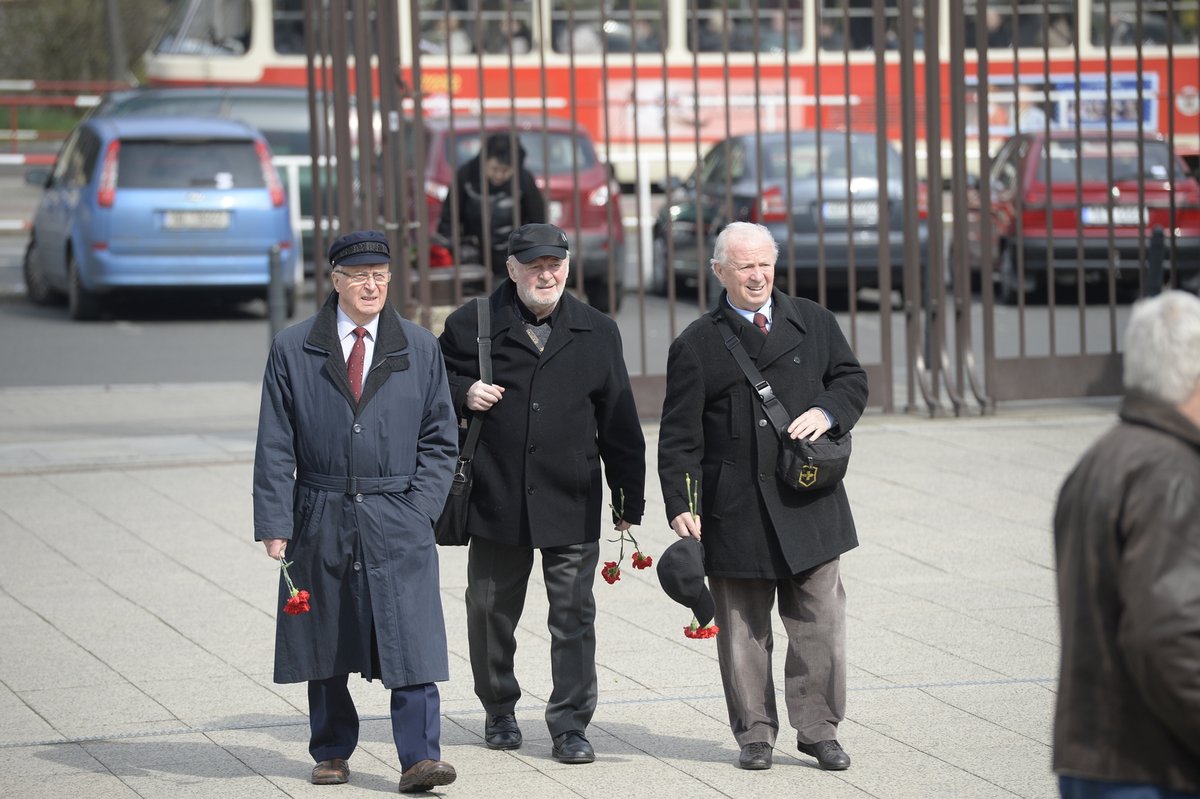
714 427
363 548
537 465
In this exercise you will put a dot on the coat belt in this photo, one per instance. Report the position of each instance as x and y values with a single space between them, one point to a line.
393 484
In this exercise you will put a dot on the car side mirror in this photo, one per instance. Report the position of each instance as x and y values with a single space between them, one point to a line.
39 177
670 184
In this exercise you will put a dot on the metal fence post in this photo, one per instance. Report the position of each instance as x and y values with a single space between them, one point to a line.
276 293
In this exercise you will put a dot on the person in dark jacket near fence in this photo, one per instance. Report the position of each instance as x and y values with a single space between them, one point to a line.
1127 539
560 403
487 188
762 539
356 450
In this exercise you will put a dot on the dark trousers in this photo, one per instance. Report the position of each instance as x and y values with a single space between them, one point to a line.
497 579
1080 788
812 606
416 721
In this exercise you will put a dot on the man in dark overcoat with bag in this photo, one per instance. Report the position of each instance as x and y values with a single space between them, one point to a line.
356 448
764 540
560 402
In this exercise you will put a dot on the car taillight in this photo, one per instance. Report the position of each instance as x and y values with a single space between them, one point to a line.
599 197
772 206
270 176
922 200
107 192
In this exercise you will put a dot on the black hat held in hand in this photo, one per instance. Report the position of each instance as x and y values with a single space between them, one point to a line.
681 573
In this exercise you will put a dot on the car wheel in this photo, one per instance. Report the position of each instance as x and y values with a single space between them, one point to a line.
713 288
1009 289
658 267
597 294
289 308
82 304
37 288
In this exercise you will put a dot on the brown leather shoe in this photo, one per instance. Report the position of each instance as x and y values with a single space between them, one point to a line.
331 772
425 775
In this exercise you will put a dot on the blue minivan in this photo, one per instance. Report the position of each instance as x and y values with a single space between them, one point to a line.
158 203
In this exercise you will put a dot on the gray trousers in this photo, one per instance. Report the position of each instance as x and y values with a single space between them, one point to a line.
812 606
497 579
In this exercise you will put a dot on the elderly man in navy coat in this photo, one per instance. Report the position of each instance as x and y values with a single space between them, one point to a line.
356 450
763 540
559 403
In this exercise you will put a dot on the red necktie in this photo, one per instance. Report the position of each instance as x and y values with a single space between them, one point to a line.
760 322
354 366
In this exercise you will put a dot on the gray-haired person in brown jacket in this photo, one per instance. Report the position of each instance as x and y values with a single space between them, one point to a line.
1127 535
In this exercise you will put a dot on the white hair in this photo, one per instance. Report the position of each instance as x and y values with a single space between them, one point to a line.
740 230
1162 346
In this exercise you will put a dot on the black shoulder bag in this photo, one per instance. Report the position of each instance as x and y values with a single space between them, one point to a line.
451 527
803 465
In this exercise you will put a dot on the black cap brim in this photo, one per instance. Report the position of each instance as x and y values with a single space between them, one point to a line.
364 259
705 608
533 253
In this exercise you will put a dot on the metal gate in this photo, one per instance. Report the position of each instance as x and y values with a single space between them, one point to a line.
978 190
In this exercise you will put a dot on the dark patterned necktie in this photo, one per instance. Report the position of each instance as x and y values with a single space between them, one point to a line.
354 366
760 322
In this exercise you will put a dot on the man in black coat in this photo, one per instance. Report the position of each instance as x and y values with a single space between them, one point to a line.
489 205
762 539
560 402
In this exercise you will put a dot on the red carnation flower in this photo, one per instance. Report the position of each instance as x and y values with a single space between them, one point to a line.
611 572
694 630
641 561
298 599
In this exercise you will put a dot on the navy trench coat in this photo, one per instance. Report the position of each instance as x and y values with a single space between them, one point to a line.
356 490
714 427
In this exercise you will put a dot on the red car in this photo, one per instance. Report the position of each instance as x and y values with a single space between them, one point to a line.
1039 207
598 242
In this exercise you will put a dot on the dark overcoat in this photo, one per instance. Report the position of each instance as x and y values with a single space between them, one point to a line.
537 465
714 427
356 489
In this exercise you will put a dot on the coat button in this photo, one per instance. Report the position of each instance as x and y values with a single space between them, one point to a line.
762 478
795 359
357 428
529 490
357 566
532 448
358 497
536 407
762 422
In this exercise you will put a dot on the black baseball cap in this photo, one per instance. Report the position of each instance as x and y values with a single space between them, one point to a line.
532 241
681 574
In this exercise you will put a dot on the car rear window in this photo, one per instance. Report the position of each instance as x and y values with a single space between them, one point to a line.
189 165
541 149
1156 160
832 158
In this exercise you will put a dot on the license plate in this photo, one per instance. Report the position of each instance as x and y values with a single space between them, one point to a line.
196 220
865 213
554 212
1123 215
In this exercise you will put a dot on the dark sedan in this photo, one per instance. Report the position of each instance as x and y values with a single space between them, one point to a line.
824 199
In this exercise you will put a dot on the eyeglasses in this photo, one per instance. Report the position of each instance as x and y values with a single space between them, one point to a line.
358 278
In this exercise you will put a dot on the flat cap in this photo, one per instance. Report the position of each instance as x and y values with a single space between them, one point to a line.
532 241
681 574
360 248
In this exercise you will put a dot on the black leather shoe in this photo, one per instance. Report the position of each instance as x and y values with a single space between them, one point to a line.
502 732
755 756
829 754
573 747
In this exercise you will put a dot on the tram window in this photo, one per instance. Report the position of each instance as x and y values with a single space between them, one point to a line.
207 27
1037 23
589 26
850 24
476 26
745 26
1162 20
288 20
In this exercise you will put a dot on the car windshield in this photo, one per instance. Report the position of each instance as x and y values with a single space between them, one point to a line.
832 159
1064 157
546 153
202 165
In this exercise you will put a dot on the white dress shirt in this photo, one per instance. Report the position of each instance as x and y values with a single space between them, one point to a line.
345 330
